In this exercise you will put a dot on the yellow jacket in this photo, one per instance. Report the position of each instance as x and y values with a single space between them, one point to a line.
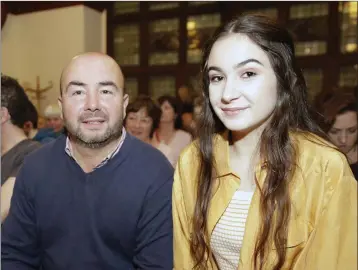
322 231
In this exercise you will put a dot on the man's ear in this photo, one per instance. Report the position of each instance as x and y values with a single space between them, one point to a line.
59 100
5 116
125 104
28 126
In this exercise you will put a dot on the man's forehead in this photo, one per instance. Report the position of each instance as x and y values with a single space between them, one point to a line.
92 67
96 76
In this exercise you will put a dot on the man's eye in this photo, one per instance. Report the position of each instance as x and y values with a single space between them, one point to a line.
106 92
77 92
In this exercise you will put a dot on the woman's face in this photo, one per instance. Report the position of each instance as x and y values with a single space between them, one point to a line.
343 133
139 124
242 83
168 113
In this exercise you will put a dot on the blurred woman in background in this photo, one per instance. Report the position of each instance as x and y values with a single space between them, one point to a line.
339 120
142 119
169 133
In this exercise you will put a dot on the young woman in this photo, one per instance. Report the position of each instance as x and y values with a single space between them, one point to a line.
261 188
169 134
339 110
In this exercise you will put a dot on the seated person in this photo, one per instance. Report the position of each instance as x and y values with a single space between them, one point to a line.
339 112
54 125
15 145
142 118
31 126
169 132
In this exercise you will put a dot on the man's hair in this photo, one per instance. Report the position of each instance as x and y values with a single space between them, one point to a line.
14 99
32 115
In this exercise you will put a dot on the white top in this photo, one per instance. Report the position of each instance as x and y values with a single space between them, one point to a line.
227 236
173 149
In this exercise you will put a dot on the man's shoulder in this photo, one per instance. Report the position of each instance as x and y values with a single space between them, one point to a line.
43 152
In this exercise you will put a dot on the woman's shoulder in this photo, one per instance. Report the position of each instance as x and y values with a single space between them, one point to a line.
316 155
190 155
182 134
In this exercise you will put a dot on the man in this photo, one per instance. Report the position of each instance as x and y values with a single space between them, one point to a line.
14 143
97 198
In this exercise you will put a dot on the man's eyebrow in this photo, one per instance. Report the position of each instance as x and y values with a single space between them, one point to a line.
108 83
75 83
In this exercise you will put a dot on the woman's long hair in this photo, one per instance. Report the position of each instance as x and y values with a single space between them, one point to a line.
292 113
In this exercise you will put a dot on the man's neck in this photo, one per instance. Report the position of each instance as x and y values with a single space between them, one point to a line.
10 137
33 133
89 158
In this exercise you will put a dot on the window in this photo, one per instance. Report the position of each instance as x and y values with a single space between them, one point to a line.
314 79
199 30
125 7
131 86
269 12
348 24
162 5
164 42
200 3
348 76
309 25
126 44
161 85
159 43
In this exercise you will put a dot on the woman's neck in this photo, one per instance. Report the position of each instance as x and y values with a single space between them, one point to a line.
245 155
166 131
353 155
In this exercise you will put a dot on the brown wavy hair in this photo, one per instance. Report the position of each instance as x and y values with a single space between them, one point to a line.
331 104
292 113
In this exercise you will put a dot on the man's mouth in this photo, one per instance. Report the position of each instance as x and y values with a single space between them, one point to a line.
93 121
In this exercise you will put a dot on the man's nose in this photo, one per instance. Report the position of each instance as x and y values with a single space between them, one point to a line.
92 101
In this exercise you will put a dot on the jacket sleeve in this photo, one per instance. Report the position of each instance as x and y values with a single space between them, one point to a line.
154 247
181 225
332 244
19 245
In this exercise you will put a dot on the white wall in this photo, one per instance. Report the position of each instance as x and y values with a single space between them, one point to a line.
42 43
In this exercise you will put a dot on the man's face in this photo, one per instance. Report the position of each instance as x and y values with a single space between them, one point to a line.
93 103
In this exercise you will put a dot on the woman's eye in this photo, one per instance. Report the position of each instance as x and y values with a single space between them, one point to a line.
333 132
248 74
216 78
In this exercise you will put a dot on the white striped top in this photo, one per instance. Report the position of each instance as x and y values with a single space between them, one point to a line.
227 236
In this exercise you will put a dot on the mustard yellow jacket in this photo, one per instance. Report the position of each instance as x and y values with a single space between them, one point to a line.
322 231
